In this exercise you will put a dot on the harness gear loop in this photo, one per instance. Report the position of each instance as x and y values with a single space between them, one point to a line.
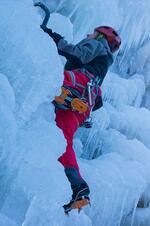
92 84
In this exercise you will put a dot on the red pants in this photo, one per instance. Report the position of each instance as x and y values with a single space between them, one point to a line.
69 121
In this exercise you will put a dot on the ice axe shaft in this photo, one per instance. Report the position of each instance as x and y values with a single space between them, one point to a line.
47 13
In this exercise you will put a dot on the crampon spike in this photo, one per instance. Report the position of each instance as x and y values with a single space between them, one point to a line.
79 204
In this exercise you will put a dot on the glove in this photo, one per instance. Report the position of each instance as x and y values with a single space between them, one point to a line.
47 30
55 36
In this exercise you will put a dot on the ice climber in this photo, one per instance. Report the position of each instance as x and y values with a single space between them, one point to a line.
85 69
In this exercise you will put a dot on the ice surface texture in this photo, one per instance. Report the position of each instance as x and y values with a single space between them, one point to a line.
115 152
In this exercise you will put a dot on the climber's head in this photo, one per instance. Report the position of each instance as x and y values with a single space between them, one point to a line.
112 37
94 35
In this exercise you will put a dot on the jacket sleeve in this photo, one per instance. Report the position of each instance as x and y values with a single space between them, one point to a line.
84 52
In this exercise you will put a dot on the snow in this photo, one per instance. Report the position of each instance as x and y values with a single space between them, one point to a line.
113 155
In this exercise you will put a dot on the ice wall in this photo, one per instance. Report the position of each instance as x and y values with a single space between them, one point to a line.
32 183
27 130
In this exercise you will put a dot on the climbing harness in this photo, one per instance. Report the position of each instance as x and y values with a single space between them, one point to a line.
71 98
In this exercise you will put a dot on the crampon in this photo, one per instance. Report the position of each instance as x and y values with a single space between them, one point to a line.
76 204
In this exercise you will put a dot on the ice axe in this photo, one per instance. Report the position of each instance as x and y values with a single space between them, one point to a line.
47 13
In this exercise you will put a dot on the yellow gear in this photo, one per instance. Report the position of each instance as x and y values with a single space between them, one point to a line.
66 98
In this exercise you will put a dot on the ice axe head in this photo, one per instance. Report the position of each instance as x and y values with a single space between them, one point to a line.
47 13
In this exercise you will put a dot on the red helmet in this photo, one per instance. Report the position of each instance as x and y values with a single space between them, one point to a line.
111 35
